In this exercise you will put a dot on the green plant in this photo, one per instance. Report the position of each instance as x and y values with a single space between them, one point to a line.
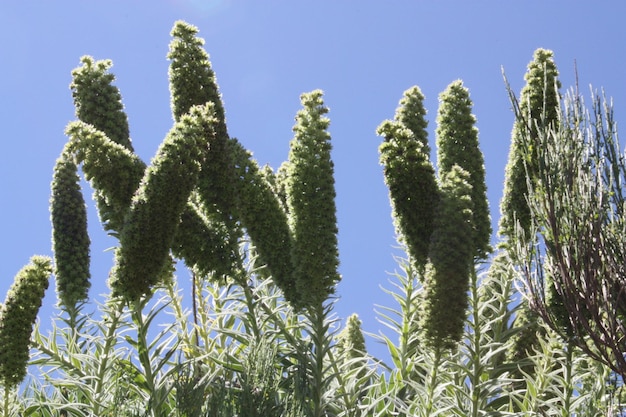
18 314
257 335
571 261
409 175
457 146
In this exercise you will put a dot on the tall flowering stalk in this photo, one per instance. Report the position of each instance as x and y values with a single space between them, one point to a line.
17 317
457 144
143 258
351 346
209 229
450 263
409 175
113 171
98 102
70 239
539 107
311 203
573 263
264 219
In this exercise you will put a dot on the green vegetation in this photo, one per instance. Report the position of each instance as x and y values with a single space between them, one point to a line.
539 107
457 146
409 175
17 316
70 238
261 338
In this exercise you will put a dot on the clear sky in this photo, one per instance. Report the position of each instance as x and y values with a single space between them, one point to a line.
363 54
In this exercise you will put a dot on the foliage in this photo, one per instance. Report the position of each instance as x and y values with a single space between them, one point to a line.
573 265
540 92
261 337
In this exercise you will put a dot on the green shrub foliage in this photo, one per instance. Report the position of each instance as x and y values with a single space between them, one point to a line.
262 338
525 342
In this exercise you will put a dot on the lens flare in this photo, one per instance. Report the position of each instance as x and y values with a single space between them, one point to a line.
204 7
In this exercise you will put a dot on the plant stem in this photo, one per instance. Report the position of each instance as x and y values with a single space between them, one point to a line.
342 383
405 335
432 384
194 305
142 345
318 327
109 342
6 400
251 304
567 377
476 349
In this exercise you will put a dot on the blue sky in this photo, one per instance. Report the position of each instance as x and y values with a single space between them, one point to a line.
363 54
